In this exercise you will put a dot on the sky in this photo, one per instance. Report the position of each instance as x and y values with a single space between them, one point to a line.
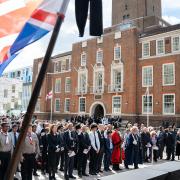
69 33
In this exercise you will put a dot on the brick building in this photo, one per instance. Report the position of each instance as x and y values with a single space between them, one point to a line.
111 75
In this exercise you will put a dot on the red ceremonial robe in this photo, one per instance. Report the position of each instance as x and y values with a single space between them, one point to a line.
116 154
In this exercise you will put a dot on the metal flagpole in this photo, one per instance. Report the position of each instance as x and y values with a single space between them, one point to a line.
147 95
51 102
30 110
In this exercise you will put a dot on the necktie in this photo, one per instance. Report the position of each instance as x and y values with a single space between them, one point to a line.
95 140
15 139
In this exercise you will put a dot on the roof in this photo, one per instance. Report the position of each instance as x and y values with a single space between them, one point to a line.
160 30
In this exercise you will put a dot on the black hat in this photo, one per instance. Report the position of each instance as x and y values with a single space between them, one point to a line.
93 125
117 125
78 126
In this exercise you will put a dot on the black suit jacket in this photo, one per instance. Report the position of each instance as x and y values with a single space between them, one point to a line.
84 142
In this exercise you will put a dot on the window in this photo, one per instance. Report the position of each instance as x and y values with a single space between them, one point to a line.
13 88
82 104
146 49
176 44
67 105
117 79
5 93
99 56
57 67
116 104
83 59
169 104
57 105
160 49
147 76
98 81
117 53
58 86
168 74
63 66
126 7
147 104
82 86
68 84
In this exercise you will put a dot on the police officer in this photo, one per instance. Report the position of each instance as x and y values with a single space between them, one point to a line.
29 149
6 147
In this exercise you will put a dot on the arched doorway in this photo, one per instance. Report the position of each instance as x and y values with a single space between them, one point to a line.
97 110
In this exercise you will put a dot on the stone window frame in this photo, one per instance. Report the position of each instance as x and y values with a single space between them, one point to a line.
147 85
174 109
150 112
120 108
163 73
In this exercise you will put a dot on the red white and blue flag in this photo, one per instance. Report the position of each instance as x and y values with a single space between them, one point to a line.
41 22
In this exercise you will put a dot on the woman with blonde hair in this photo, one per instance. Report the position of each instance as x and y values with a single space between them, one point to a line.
155 148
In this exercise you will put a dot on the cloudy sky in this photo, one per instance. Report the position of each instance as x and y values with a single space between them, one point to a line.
69 32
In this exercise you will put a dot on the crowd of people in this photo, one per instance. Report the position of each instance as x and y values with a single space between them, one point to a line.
78 143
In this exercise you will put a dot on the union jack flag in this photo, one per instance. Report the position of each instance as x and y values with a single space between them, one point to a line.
41 22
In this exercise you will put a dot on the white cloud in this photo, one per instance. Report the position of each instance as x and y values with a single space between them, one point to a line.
172 19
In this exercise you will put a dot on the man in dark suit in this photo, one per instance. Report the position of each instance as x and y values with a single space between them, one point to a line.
83 151
108 151
70 143
100 132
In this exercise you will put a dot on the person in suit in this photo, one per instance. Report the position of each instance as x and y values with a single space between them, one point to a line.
161 141
100 132
178 144
62 146
132 148
70 142
44 147
14 134
108 150
83 151
170 143
53 150
95 148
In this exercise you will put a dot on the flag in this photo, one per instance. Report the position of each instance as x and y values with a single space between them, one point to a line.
40 23
49 95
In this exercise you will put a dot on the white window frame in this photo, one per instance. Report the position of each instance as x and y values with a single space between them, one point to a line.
114 67
143 104
65 110
101 69
172 43
82 112
79 74
144 67
55 63
67 91
117 46
174 104
113 104
83 63
55 86
98 60
143 49
157 47
174 82
55 104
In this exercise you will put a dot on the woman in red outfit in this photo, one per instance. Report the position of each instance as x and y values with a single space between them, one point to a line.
117 141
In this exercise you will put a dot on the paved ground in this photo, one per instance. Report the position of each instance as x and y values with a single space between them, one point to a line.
59 176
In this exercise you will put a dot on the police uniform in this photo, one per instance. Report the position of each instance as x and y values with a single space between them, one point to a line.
29 149
6 148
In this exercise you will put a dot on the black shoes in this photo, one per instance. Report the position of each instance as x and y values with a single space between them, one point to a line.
72 177
84 174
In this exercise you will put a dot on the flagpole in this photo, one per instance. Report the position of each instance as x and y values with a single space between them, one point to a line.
147 106
30 110
51 102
